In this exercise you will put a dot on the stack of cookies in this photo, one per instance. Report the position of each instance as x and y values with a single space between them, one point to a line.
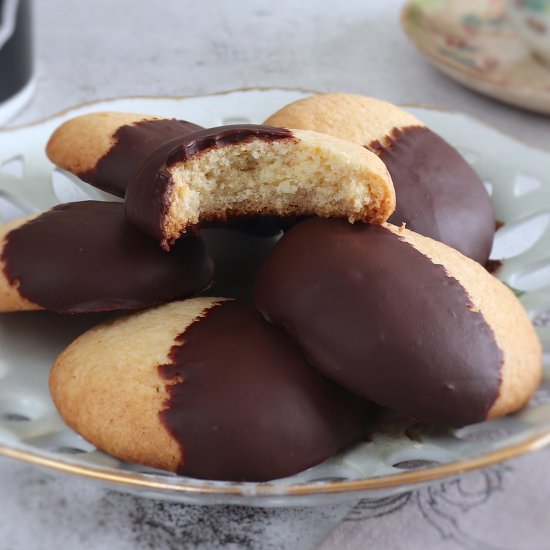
375 297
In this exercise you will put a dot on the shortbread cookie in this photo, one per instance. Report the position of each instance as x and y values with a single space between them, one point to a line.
206 388
402 320
106 149
438 194
249 170
84 256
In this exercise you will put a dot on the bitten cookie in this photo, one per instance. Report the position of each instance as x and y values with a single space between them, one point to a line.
402 320
205 388
84 256
438 194
106 149
249 170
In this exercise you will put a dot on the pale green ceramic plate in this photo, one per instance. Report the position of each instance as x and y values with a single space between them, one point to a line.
31 430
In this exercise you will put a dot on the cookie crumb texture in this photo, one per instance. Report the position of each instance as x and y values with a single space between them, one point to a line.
206 388
250 170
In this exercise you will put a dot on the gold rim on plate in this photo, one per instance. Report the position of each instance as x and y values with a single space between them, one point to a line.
405 479
154 482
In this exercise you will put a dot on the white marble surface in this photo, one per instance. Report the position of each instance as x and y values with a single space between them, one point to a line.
88 50
97 49
502 508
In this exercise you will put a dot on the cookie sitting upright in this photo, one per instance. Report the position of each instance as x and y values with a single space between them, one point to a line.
438 194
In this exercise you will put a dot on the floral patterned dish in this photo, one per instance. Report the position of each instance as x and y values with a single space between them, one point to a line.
473 42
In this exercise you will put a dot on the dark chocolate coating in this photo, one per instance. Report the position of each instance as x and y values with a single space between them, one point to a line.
133 144
378 317
245 404
84 256
258 226
438 193
238 257
148 192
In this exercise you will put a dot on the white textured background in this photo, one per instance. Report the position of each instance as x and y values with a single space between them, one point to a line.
91 49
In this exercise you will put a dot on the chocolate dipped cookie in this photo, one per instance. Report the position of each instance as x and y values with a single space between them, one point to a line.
205 388
250 170
106 149
84 256
402 320
438 194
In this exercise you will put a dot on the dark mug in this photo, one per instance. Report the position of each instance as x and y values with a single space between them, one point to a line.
16 57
